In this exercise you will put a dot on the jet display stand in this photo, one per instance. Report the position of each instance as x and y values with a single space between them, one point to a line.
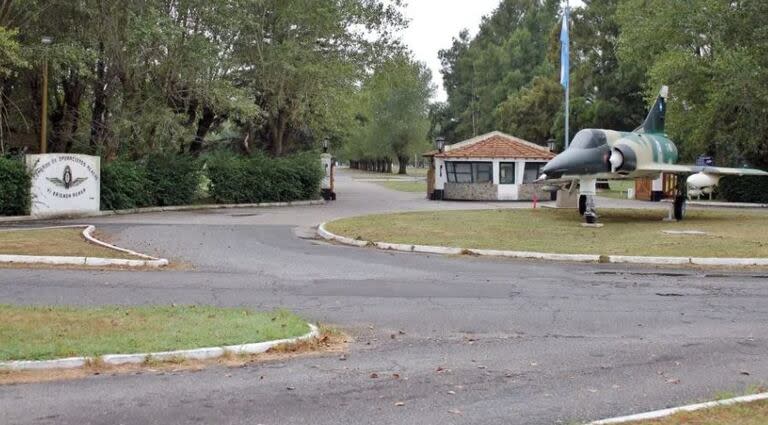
588 189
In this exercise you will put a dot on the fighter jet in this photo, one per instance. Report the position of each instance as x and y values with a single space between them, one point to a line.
644 152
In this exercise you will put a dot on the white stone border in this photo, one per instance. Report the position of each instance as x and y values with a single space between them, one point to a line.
121 359
579 258
690 408
23 218
146 260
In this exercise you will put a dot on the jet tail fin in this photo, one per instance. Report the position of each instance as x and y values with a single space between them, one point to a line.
654 123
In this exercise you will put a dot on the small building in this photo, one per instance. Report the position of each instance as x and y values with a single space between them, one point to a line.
491 167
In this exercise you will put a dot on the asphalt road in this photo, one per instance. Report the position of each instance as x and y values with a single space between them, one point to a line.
458 340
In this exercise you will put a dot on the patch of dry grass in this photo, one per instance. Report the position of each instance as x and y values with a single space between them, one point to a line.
626 232
63 242
330 342
738 414
40 333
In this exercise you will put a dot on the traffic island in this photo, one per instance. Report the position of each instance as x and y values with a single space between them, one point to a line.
67 246
747 410
46 338
628 236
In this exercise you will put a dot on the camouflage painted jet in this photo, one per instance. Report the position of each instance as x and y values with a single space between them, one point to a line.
645 152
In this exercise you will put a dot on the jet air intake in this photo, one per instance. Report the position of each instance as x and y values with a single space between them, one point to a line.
622 159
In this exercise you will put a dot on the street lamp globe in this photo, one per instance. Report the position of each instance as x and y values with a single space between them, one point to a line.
440 143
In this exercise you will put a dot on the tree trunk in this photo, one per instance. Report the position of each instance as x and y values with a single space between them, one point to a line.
65 120
403 162
99 116
204 125
278 135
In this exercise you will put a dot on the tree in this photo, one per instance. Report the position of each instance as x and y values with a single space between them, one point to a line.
529 113
401 89
304 56
508 52
131 78
393 120
713 55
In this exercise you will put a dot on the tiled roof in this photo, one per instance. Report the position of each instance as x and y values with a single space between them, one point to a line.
496 145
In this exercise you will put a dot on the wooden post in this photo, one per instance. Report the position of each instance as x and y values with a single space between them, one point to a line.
44 111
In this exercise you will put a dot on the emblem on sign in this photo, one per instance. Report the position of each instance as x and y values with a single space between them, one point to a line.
66 181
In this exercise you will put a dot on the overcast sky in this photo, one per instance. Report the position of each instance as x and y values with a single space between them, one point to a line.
434 23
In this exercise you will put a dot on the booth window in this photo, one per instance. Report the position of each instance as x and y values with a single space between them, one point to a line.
507 173
469 172
532 171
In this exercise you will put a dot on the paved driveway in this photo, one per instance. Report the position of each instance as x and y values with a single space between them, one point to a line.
458 340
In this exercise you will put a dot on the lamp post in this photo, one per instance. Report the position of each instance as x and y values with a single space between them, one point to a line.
551 145
46 41
325 145
440 143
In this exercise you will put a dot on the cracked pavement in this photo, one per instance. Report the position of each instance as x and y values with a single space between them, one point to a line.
456 340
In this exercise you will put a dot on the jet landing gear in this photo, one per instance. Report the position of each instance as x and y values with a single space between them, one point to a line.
680 205
587 208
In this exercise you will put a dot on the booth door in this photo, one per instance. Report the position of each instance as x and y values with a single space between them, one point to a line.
643 189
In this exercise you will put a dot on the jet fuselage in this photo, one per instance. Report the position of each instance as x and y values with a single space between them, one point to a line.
611 155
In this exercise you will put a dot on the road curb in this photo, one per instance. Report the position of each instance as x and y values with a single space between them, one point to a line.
146 261
579 258
26 218
721 204
689 408
121 359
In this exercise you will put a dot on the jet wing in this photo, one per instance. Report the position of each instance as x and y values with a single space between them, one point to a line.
693 169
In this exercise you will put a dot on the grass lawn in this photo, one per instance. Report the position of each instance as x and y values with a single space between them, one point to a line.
410 171
618 189
68 242
755 413
626 232
39 333
406 186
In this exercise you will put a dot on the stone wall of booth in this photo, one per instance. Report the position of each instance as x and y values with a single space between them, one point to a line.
471 191
526 191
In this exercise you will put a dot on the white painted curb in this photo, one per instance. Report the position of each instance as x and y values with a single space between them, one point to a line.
193 354
579 258
690 408
23 218
146 261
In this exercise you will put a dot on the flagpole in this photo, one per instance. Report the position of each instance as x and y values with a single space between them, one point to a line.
567 113
565 69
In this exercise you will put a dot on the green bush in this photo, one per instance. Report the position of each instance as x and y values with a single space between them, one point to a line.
744 189
125 185
236 179
174 179
15 186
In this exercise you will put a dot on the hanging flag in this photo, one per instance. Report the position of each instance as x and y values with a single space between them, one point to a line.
565 51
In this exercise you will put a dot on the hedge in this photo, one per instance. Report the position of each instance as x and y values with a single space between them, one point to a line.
174 179
15 188
237 179
744 189
169 179
125 185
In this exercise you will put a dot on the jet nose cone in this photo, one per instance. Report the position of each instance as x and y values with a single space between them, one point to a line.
575 162
556 166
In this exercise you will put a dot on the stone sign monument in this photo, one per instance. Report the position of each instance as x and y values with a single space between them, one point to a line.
64 184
